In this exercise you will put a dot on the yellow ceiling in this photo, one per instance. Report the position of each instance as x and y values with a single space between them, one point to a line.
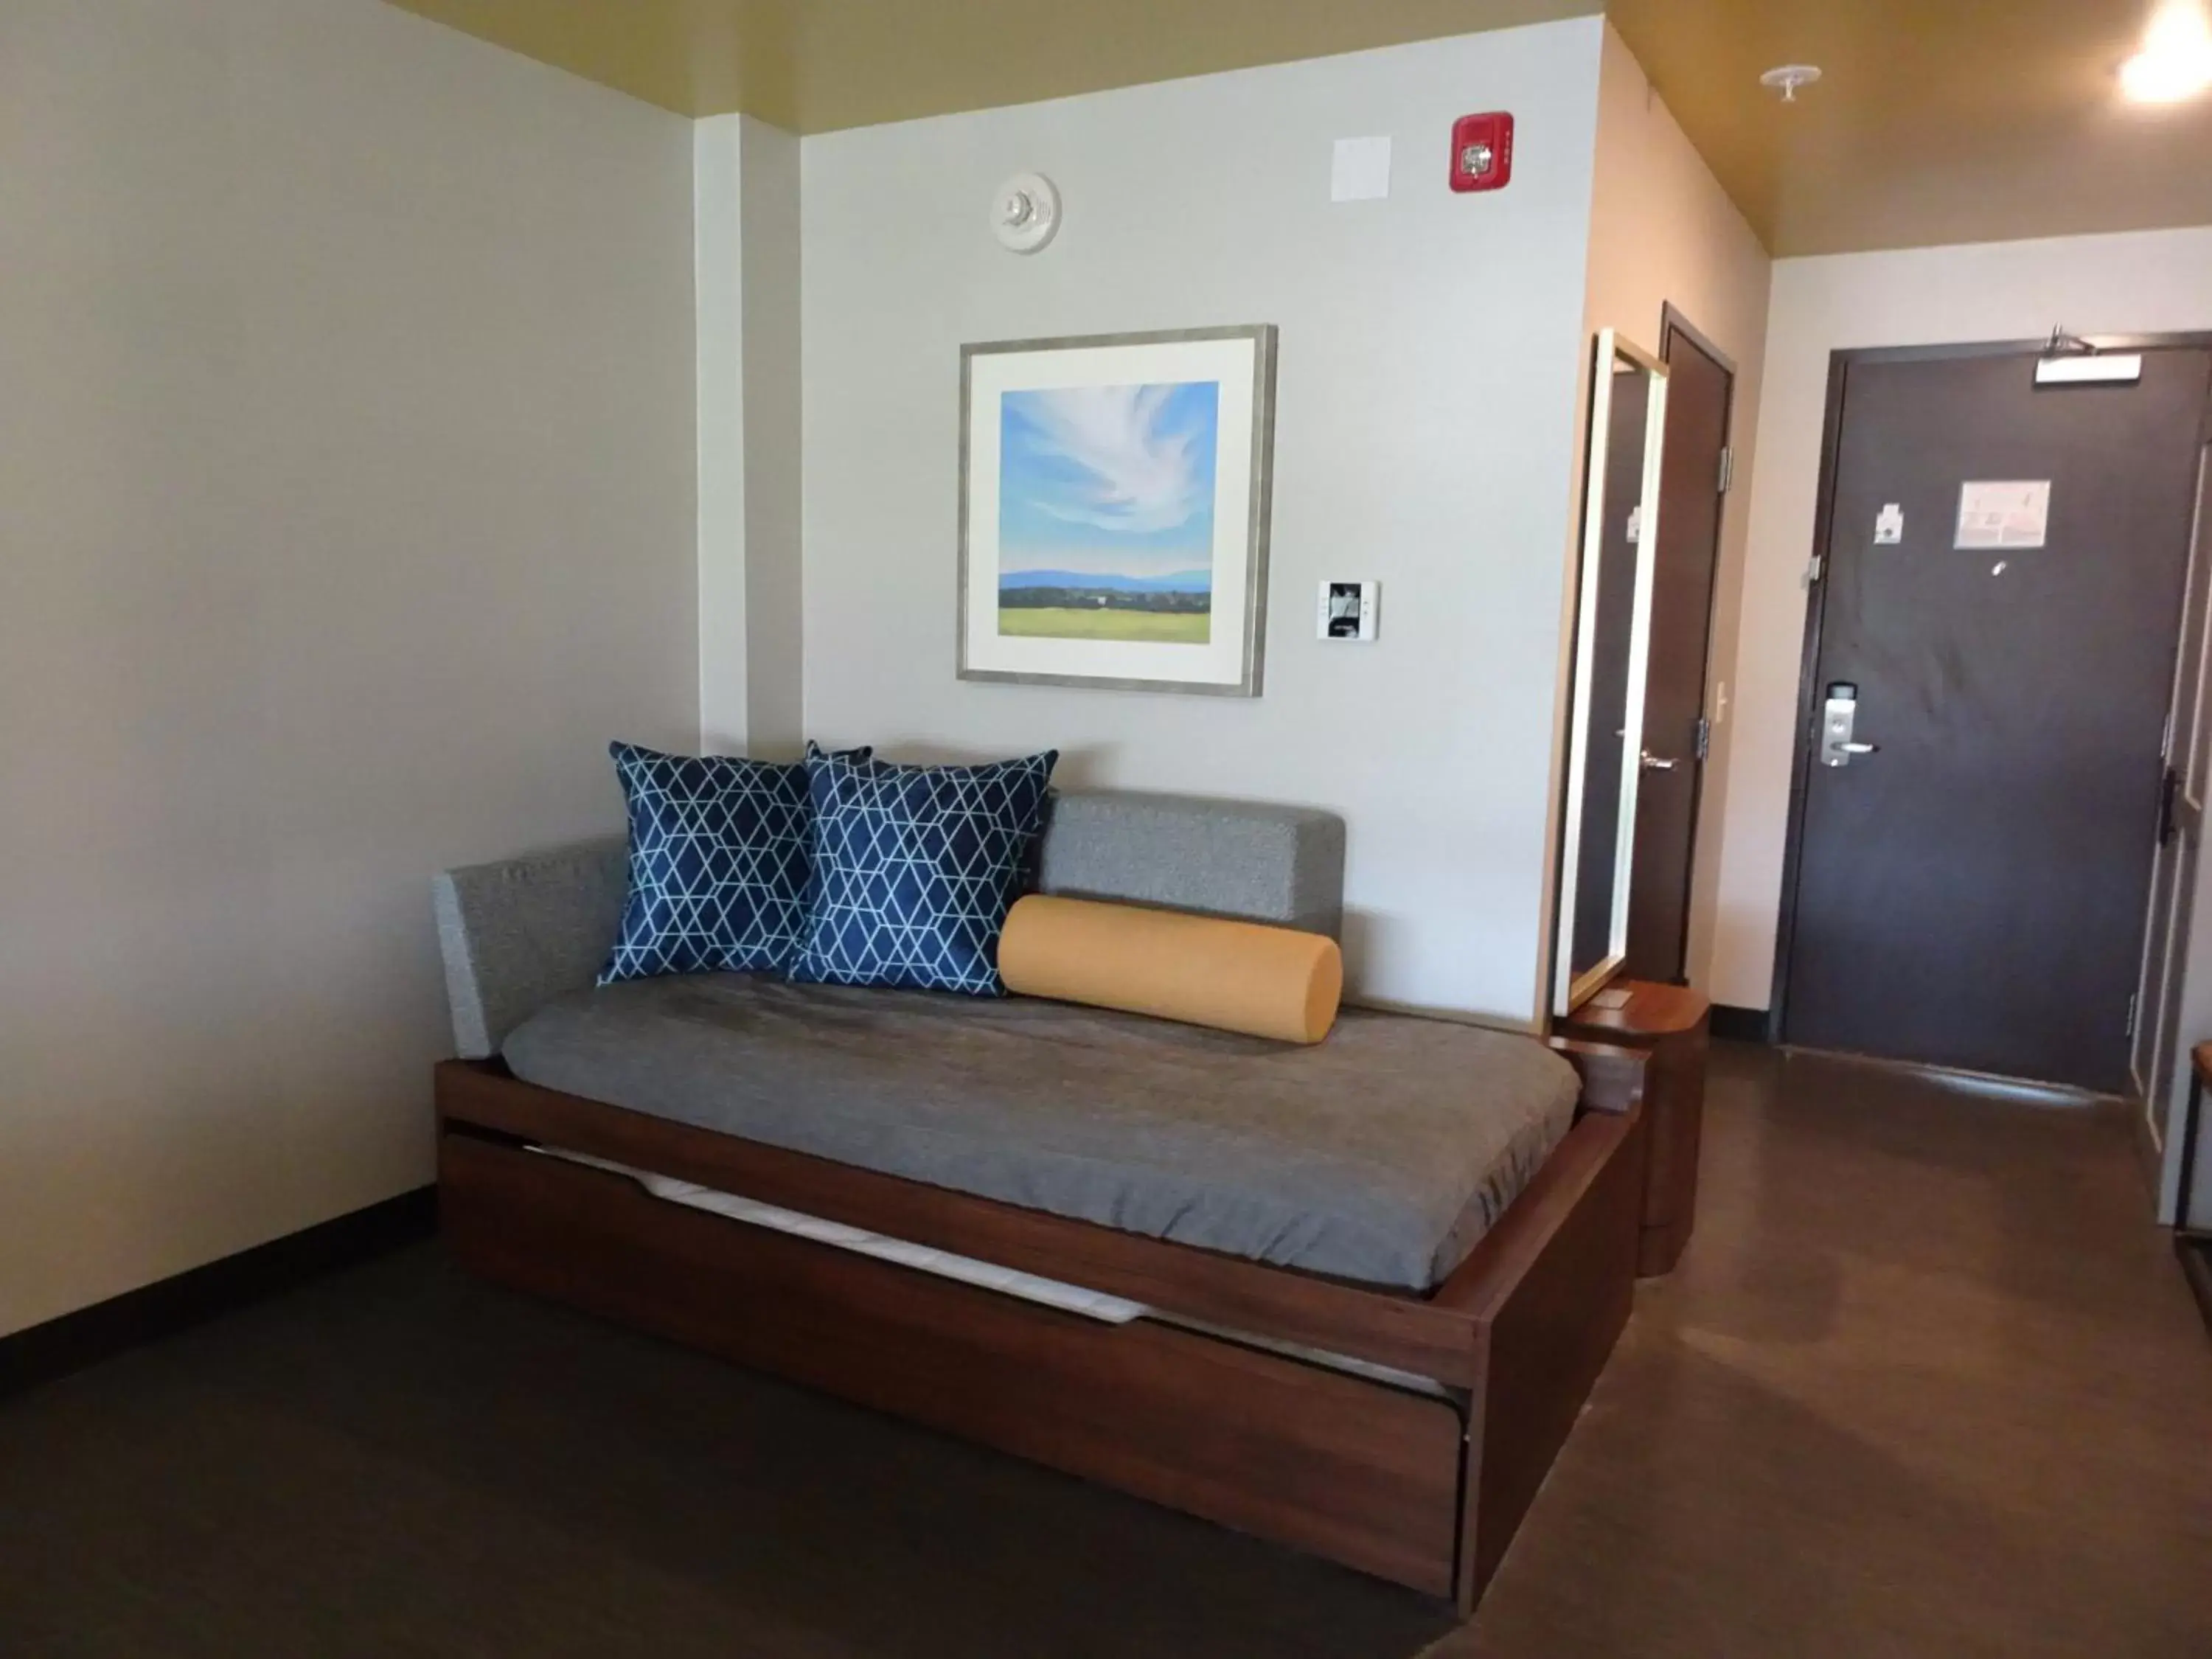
817 66
1937 121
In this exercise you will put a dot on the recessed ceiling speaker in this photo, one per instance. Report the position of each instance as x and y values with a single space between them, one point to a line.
1025 212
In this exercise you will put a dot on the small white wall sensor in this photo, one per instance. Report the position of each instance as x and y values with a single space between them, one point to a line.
1350 610
1025 212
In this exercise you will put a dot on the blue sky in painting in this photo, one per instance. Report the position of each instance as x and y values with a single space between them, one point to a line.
1109 481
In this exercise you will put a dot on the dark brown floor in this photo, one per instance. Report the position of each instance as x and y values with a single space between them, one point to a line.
1928 1383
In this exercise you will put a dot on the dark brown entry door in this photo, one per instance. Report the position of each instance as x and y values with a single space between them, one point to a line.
1973 893
1699 386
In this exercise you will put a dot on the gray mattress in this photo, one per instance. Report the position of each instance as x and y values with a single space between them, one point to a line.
1381 1155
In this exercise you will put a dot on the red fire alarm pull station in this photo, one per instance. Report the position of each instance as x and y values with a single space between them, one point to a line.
1482 151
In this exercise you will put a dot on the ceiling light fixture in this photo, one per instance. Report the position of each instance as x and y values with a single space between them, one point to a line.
1787 79
2176 60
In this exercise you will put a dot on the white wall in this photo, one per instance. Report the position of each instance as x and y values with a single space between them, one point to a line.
1429 346
2152 281
746 205
346 510
1663 232
718 287
774 621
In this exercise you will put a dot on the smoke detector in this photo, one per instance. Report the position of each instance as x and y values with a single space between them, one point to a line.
1025 212
1789 77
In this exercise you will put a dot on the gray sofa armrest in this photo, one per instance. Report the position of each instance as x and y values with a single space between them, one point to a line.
519 932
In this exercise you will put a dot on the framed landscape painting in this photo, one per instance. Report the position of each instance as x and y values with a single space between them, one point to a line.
1114 501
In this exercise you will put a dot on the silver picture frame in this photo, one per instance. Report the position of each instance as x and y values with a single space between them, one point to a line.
1252 625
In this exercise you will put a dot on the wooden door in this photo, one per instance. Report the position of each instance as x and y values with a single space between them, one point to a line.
1970 887
1691 492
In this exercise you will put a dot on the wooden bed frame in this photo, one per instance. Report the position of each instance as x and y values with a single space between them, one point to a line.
1421 1489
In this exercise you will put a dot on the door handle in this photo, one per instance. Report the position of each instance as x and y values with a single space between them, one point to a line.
1651 763
1838 717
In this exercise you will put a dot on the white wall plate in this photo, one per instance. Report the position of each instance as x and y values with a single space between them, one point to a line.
1349 611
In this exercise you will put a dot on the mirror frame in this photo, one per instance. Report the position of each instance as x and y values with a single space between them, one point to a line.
1569 989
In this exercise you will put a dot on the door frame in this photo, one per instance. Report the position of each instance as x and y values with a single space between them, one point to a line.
1840 363
1673 324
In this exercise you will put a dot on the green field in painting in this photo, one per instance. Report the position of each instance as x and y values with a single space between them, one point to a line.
1142 627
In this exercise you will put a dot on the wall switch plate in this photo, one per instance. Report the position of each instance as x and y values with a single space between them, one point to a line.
1350 610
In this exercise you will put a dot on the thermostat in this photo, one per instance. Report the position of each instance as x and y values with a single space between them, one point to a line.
1349 611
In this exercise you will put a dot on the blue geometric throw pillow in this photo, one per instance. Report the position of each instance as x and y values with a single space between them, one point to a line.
720 857
915 868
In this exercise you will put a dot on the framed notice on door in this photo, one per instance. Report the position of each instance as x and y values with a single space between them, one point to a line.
2015 514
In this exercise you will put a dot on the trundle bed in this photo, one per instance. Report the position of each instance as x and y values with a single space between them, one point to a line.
1351 1298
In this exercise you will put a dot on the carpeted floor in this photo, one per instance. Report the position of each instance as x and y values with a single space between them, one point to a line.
1928 1383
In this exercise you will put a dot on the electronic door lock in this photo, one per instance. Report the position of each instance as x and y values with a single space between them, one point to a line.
1838 715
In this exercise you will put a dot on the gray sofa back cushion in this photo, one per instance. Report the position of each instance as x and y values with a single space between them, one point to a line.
1278 864
519 932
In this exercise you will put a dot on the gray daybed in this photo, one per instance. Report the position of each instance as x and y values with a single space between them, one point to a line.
1349 1296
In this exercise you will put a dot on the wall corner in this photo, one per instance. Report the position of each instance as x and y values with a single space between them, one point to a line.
718 297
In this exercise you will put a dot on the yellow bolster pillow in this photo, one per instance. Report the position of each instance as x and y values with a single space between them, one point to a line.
1231 976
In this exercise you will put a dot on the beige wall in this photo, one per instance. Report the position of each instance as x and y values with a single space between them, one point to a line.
750 630
1663 232
774 622
2149 281
346 510
718 287
1430 352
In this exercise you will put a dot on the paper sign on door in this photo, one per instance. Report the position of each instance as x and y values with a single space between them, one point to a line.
2014 514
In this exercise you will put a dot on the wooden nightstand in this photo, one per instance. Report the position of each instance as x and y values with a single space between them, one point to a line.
1674 1025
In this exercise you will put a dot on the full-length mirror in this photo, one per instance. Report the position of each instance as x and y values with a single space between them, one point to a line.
1612 625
